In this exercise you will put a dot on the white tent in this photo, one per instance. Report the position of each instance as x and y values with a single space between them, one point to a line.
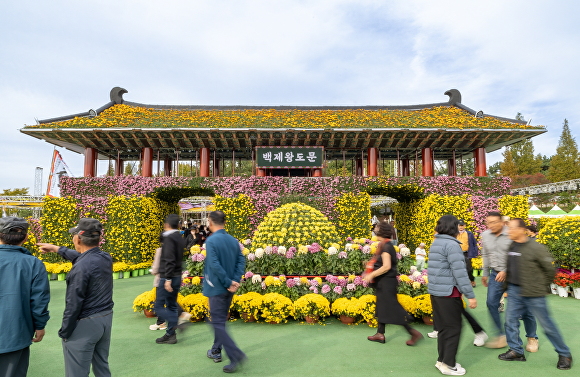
535 212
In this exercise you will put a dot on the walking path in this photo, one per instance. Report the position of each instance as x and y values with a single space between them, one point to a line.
295 349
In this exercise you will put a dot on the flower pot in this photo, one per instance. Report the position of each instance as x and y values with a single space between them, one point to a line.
149 313
310 319
115 275
126 274
134 273
247 317
554 288
61 277
562 291
53 276
141 272
428 320
346 319
576 292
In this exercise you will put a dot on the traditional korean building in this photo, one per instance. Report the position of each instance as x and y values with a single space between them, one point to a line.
282 140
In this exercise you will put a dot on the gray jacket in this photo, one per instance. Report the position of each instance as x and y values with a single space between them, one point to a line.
494 250
447 268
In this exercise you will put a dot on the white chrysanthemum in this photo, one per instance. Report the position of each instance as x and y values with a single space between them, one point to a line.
256 279
281 250
332 250
348 246
405 251
259 253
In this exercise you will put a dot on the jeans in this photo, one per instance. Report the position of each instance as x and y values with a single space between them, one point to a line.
166 303
218 309
495 291
518 306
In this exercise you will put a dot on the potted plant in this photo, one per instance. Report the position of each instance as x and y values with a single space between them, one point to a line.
368 309
144 303
348 310
424 308
276 308
248 305
562 280
311 307
196 304
575 284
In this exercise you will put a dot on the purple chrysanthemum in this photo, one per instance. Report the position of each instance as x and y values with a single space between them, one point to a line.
343 255
351 287
249 274
338 290
251 256
314 289
326 288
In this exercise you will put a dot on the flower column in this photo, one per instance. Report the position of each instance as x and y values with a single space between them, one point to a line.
90 162
147 162
204 162
480 166
372 162
428 168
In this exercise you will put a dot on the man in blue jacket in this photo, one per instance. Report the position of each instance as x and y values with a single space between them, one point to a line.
469 248
24 297
223 268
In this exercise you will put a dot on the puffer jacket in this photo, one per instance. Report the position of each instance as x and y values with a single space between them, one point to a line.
447 268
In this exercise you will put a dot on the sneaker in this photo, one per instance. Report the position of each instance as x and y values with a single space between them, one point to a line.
166 339
512 355
498 342
532 345
183 318
480 339
215 356
564 362
433 334
457 370
231 368
473 284
155 327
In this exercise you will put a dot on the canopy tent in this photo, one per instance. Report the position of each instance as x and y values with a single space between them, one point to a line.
556 212
535 212
575 211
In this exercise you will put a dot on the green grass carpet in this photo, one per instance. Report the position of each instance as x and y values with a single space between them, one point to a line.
294 349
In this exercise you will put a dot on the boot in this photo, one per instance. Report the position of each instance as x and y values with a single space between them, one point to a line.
415 337
378 337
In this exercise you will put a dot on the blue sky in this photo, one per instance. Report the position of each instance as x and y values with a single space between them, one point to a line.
63 57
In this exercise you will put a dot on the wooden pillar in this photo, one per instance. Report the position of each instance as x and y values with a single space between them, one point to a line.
119 167
147 162
480 165
168 167
372 162
359 167
216 167
405 167
261 172
428 168
90 162
204 162
451 167
317 172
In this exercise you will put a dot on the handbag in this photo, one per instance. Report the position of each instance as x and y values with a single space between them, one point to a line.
370 266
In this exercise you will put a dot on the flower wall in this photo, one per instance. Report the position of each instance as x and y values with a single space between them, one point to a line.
562 237
58 216
352 209
238 211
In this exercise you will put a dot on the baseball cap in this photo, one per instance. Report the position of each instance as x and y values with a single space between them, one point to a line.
87 227
461 222
13 224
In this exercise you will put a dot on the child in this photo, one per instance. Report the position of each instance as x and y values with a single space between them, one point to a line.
420 255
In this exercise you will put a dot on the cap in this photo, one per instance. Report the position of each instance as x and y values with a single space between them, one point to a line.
87 227
461 222
13 224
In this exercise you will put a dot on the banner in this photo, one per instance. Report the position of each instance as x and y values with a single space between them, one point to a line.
289 157
58 169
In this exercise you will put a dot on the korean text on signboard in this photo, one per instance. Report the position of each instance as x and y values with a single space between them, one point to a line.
289 157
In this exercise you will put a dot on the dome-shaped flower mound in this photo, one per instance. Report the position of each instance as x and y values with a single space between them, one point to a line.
295 224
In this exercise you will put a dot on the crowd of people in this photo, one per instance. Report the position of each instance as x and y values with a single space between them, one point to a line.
514 264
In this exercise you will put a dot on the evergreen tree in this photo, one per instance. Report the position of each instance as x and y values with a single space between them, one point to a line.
15 192
508 167
523 154
565 164
494 170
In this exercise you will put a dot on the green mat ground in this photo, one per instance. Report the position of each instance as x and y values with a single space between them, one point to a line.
294 349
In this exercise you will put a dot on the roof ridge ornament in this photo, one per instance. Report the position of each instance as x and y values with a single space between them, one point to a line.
117 95
454 96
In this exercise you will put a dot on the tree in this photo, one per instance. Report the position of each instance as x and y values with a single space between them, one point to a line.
494 169
129 169
523 154
15 192
565 164
508 167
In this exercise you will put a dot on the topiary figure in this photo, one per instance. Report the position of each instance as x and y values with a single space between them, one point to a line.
294 225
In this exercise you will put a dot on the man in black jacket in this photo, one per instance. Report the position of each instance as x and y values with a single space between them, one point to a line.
169 277
88 314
